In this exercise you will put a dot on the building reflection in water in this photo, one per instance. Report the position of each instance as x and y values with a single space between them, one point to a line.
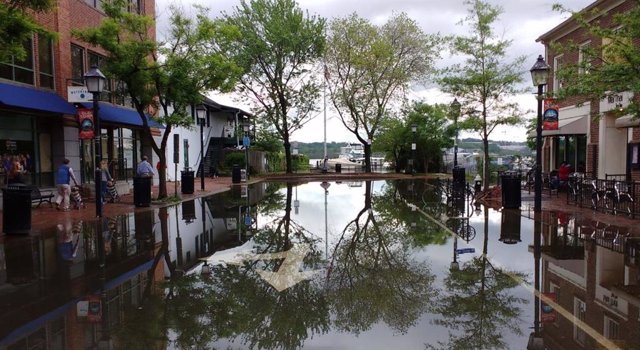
593 271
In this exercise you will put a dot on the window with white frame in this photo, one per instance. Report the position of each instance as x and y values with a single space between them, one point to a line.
579 313
557 66
611 328
584 58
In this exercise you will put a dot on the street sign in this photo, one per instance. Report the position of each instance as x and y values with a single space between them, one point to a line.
465 250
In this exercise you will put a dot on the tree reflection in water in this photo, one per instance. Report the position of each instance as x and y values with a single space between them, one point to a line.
372 278
476 305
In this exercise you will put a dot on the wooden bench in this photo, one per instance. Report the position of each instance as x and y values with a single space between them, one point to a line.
40 197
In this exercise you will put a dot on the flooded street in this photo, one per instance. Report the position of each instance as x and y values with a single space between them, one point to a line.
323 265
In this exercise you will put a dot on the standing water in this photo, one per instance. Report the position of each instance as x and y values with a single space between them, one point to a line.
331 265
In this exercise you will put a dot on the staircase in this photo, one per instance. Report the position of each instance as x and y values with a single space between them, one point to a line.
212 156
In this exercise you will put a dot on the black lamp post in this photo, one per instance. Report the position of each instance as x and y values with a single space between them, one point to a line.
201 112
245 142
455 107
95 82
414 127
539 75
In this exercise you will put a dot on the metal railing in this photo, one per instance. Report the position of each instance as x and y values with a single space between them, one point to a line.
617 197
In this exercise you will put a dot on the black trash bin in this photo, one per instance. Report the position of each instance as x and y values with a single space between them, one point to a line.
338 168
236 174
511 190
186 181
142 191
16 209
459 175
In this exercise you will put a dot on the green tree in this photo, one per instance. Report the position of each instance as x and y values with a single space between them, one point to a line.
486 80
392 140
169 76
369 67
607 70
17 26
275 43
433 132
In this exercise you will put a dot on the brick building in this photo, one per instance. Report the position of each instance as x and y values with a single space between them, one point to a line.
36 118
589 132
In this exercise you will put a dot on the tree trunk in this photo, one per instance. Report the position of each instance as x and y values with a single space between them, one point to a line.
367 157
485 164
287 156
162 175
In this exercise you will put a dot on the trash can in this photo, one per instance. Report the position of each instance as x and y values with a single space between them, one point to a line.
16 212
235 174
186 181
458 175
511 195
142 191
338 168
511 227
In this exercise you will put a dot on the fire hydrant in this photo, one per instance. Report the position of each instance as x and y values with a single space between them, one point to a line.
477 184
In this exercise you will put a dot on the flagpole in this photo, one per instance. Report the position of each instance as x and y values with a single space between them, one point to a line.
325 111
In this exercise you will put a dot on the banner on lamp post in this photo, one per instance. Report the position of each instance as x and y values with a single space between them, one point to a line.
550 116
85 119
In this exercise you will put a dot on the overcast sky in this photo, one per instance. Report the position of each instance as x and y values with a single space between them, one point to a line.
522 22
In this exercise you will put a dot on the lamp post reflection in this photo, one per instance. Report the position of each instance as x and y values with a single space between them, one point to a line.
325 185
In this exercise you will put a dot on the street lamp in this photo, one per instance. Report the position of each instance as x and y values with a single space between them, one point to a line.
95 82
539 75
414 127
245 142
455 107
201 112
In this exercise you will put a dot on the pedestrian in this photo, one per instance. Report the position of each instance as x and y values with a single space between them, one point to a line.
15 175
105 177
64 175
144 168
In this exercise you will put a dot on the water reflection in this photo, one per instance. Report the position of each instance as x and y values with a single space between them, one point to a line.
343 265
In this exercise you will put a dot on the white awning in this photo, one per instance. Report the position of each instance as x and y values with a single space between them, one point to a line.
567 126
628 121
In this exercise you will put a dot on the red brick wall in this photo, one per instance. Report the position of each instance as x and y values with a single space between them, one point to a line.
578 36
68 15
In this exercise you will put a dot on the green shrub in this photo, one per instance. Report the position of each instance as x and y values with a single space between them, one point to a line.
233 158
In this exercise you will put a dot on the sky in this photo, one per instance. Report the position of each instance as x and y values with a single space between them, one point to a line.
521 21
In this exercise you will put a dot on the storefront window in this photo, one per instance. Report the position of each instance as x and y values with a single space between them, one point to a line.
572 149
16 142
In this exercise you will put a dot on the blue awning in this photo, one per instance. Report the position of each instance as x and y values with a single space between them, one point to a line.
31 98
122 116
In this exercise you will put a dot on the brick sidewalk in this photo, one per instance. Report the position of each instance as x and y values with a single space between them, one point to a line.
46 216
